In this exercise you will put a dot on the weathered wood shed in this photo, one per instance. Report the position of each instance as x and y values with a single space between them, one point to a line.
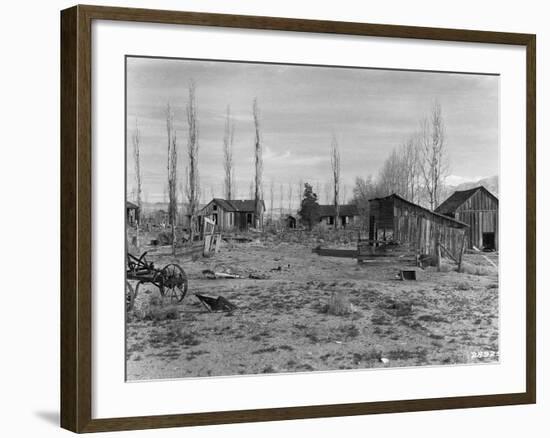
478 208
132 213
232 214
393 218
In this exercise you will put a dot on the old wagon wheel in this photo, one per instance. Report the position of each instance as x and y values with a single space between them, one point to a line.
130 296
174 282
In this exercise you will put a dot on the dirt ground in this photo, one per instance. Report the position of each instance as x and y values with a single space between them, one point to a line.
282 324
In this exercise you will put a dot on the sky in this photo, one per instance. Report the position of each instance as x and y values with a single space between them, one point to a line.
369 111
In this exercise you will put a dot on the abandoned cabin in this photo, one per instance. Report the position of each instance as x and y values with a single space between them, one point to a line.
348 215
131 213
478 208
393 218
232 214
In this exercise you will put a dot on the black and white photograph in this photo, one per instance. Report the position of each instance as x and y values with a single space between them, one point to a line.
287 218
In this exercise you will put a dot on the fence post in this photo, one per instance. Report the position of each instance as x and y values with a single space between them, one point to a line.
461 251
437 250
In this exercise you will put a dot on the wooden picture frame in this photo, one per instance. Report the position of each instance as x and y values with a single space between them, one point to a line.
76 218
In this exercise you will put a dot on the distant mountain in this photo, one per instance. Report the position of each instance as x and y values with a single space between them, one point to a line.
490 183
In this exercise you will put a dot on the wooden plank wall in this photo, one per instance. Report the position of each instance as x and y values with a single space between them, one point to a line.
415 226
480 212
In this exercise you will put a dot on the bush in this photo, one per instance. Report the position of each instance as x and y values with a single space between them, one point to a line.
468 268
463 285
155 310
339 304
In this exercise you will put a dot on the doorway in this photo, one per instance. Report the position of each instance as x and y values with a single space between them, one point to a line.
488 241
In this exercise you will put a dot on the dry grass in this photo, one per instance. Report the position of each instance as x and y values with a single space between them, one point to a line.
317 313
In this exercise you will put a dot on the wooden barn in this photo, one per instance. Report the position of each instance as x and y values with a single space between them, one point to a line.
478 208
232 214
395 219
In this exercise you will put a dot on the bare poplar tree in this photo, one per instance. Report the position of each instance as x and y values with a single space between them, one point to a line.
172 174
289 197
271 197
258 163
281 199
434 166
300 192
411 166
335 165
327 188
137 164
228 136
193 189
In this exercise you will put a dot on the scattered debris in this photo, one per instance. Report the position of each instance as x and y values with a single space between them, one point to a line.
216 304
258 276
280 268
214 275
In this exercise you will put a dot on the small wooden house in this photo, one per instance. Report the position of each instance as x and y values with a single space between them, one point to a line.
348 215
232 214
478 208
395 219
132 211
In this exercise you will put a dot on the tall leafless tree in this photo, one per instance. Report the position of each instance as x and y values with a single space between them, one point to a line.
401 173
434 164
281 199
193 187
327 189
258 164
171 168
300 192
228 137
271 198
411 159
289 197
335 166
136 142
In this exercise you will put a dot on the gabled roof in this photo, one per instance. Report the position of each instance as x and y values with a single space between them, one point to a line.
453 202
236 205
345 210
131 205
434 213
245 205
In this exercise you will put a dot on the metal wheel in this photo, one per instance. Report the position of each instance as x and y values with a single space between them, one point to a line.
130 296
174 283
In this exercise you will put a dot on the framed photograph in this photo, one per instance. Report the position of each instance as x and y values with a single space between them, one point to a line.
270 218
